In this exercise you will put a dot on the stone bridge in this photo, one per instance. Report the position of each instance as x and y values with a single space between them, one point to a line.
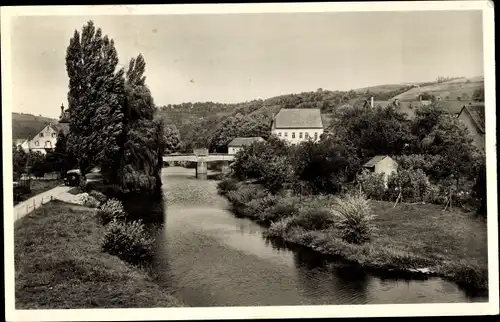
201 157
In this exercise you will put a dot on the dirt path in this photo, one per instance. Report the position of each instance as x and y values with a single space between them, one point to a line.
25 207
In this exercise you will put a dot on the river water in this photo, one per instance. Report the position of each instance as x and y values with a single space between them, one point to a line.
208 257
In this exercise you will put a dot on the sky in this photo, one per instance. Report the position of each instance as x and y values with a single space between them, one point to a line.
240 57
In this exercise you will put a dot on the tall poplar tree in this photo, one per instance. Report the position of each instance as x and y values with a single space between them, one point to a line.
95 97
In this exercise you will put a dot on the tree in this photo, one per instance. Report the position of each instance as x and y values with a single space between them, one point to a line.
19 160
383 130
95 100
172 138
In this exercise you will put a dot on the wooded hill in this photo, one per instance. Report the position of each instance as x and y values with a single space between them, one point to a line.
26 126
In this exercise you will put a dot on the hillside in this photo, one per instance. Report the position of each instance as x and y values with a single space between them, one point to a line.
382 88
26 126
451 90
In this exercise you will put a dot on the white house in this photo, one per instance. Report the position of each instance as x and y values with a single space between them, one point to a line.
296 125
473 117
45 139
238 143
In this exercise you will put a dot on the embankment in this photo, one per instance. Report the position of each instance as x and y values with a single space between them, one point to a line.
59 264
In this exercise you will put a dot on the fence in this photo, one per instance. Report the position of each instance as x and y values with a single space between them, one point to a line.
24 209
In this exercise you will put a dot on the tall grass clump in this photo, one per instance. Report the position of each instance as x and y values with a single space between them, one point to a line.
259 207
284 208
245 194
128 241
111 209
99 196
354 218
279 228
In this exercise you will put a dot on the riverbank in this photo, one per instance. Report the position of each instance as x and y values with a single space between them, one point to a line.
409 239
59 264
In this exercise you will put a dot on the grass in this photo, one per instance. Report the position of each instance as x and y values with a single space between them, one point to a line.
408 238
37 187
59 264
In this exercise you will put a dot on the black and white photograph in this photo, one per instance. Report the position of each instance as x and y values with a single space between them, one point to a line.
249 161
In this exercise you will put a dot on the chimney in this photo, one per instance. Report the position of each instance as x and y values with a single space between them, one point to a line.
372 102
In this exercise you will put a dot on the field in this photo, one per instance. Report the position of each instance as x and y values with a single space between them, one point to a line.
447 90
26 126
59 265
381 88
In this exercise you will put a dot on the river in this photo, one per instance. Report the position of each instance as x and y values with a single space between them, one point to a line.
208 257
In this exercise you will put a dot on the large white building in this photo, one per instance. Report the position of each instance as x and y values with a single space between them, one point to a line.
296 125
238 143
46 139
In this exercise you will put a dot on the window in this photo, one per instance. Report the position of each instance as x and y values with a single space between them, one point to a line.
293 135
41 135
307 135
53 135
36 143
315 135
286 134
279 133
48 144
300 135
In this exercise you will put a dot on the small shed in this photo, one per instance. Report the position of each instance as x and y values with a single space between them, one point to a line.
238 143
382 164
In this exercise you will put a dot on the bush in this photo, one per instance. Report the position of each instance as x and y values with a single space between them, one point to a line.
279 228
112 209
413 184
245 193
354 218
129 241
284 208
314 219
226 185
373 184
257 207
99 196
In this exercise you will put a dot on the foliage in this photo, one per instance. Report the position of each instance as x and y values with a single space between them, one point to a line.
245 194
111 113
111 210
254 125
354 218
226 185
95 100
284 207
372 131
280 227
413 185
324 165
19 160
277 173
172 138
99 196
478 95
129 241
480 187
373 184
314 219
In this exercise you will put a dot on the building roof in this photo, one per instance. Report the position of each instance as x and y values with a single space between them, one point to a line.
373 161
244 141
295 118
60 127
476 111
453 107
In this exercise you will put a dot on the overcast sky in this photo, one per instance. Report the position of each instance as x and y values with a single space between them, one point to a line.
234 58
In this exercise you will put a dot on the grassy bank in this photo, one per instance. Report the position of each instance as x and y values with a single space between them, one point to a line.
415 239
59 264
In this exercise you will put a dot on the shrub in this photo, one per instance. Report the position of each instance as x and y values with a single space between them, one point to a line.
284 208
257 207
373 184
245 193
279 228
314 219
99 196
226 185
354 218
86 200
413 184
112 209
129 241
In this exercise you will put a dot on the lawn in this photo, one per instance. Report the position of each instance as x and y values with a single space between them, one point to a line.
59 265
37 187
452 244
